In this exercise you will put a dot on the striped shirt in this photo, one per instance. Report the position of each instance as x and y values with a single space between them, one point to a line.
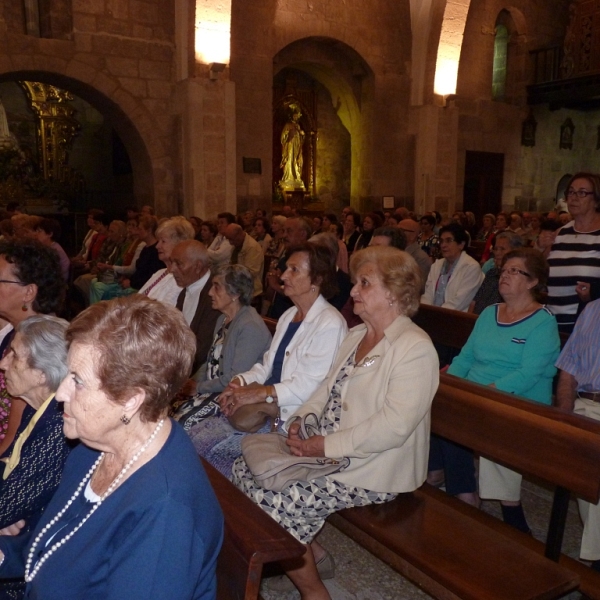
574 257
581 354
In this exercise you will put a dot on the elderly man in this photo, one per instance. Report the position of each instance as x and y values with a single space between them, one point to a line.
220 250
411 230
578 391
297 231
190 268
248 253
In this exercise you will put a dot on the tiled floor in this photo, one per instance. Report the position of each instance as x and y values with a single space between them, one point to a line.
360 576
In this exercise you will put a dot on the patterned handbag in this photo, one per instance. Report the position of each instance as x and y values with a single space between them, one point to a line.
274 467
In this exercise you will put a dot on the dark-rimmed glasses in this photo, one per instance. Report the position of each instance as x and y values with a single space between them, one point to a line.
579 193
513 271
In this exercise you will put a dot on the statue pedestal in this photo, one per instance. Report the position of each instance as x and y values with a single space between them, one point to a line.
295 198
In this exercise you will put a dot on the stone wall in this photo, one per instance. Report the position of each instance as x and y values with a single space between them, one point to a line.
375 39
119 58
495 126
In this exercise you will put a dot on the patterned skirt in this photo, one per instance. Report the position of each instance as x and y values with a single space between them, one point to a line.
302 507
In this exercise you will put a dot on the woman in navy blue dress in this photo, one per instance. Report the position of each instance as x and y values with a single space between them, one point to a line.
134 516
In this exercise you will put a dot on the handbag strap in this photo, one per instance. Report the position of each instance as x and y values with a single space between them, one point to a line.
309 426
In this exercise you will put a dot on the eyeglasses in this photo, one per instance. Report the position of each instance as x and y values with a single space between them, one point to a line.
8 281
446 240
579 193
513 271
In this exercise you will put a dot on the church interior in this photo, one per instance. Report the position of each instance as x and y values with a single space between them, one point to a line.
440 105
195 107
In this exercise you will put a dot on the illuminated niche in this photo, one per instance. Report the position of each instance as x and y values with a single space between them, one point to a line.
213 31
448 57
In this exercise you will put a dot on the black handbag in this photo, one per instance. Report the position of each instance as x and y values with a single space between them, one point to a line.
274 467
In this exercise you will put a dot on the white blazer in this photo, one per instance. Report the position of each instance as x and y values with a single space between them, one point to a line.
308 357
386 404
466 279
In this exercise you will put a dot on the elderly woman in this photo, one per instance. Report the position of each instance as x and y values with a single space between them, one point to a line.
428 240
134 516
162 286
373 408
208 232
489 221
33 368
239 340
454 278
489 293
371 222
303 349
31 283
575 256
277 244
513 347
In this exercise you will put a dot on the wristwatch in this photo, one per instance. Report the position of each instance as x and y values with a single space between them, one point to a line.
270 397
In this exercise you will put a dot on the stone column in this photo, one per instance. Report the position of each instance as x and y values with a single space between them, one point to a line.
207 109
436 141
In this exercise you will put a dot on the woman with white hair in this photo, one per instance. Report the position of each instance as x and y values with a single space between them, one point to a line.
162 286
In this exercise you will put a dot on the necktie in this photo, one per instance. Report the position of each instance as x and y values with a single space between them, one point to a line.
180 300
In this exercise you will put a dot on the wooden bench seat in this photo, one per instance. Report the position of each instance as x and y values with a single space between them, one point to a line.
449 554
449 548
251 540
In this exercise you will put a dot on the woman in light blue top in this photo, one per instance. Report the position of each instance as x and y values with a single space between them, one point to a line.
513 347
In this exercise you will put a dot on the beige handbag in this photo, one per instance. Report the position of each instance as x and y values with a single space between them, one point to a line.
274 467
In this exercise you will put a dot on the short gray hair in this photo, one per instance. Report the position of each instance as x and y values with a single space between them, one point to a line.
44 338
238 281
329 240
514 239
177 228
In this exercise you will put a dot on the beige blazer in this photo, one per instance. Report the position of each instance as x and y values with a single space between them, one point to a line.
385 420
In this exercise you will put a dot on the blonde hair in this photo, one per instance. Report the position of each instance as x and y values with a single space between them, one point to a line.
398 271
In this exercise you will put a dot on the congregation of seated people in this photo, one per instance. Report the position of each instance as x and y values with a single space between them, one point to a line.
168 356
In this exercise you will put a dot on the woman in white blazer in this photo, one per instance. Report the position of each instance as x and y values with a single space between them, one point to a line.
305 343
373 408
455 278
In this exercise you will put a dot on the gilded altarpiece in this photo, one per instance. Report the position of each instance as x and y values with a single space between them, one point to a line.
56 128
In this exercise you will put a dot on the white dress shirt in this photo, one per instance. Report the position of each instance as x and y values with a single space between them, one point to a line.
192 296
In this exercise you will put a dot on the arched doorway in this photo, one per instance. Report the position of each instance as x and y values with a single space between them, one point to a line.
130 168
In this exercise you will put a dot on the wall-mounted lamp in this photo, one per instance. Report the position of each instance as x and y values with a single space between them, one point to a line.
214 69
446 98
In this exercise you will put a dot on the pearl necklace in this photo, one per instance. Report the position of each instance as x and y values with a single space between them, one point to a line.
29 574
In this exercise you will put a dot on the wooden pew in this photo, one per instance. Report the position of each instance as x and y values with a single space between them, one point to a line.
251 540
451 327
453 550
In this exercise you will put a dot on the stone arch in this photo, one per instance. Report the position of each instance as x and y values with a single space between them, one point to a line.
347 77
127 115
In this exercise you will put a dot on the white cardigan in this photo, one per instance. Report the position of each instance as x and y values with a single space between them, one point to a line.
308 357
466 279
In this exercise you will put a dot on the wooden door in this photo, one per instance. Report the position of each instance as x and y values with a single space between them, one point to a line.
484 175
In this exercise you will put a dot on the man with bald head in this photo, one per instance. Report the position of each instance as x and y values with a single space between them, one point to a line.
246 252
190 269
411 230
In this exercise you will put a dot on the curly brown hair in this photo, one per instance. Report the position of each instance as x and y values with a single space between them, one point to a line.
143 344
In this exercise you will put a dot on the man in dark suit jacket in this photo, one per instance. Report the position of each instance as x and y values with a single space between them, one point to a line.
190 268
